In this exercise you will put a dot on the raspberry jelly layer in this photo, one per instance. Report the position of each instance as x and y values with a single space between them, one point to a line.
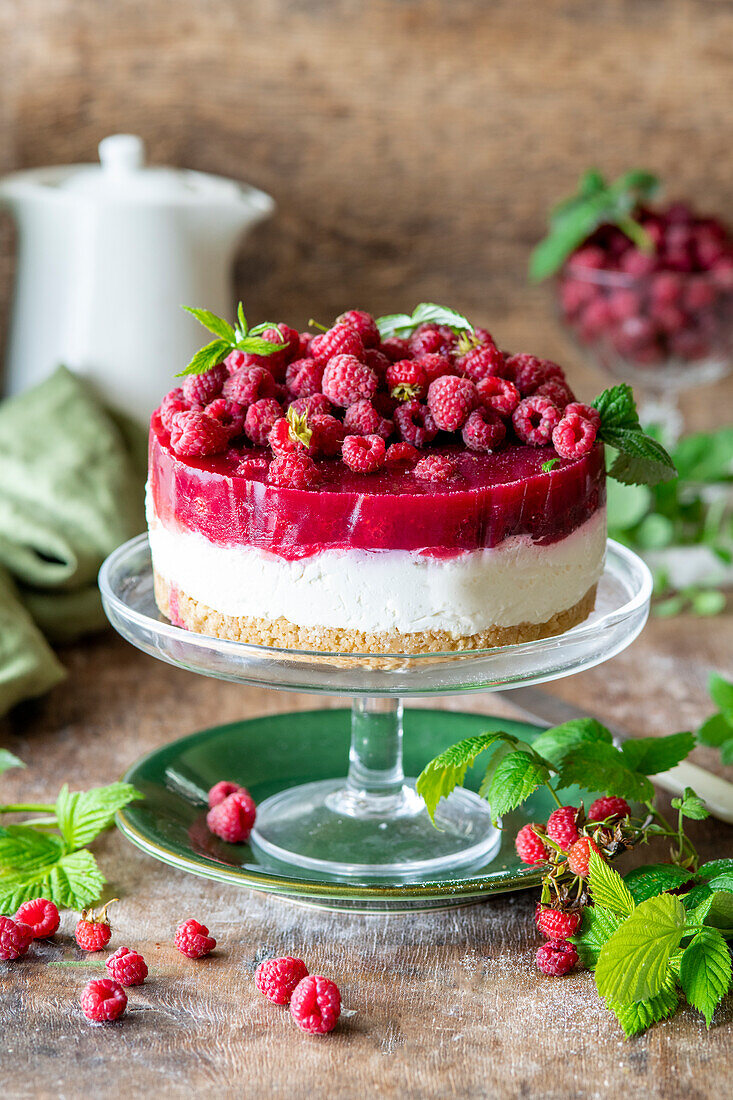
494 498
384 591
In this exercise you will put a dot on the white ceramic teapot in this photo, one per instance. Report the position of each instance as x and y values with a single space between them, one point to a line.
107 255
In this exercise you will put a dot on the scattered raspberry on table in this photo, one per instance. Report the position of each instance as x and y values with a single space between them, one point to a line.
127 967
15 938
276 979
193 940
103 1000
316 1004
93 931
41 916
556 957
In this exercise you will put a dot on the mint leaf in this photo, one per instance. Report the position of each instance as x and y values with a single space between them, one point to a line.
608 888
7 761
632 964
641 460
555 744
516 777
705 972
24 849
448 770
602 767
655 878
83 814
597 927
403 324
217 325
652 755
639 1015
721 692
206 358
691 805
547 466
715 731
617 408
73 882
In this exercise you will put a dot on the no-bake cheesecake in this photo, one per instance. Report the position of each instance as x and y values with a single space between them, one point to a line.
353 492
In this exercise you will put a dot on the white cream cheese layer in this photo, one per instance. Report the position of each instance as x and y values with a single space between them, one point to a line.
384 590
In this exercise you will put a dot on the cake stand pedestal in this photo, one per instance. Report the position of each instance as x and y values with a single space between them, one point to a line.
371 827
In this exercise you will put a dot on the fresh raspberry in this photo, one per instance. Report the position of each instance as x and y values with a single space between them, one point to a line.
555 924
286 337
556 957
401 454
339 340
195 433
574 436
429 339
586 411
102 1000
482 362
396 348
484 430
316 405
249 385
528 372
303 377
222 790
276 979
316 1004
193 939
346 380
498 394
558 392
304 343
15 938
406 379
363 453
229 414
579 856
92 932
363 419
450 400
610 807
530 847
562 826
234 818
328 434
252 466
436 467
378 361
435 366
261 417
173 402
533 420
127 967
415 423
40 915
236 359
200 389
282 441
293 472
363 323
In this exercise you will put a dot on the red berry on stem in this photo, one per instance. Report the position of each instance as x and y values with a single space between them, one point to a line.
277 979
530 847
562 826
579 855
609 807
316 1004
555 924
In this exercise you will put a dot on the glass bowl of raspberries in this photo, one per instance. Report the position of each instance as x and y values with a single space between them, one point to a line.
648 294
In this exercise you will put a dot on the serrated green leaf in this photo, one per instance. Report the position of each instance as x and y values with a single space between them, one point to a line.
705 972
691 805
82 815
602 767
655 878
723 881
8 760
640 460
617 408
209 320
696 896
597 927
720 911
633 963
652 755
721 692
555 744
715 731
206 358
639 1015
73 882
448 770
518 774
25 849
547 466
403 324
715 867
608 888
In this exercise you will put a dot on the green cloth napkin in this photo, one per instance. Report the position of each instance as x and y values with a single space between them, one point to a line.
71 490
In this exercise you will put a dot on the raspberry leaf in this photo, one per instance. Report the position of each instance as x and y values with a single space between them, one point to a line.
7 761
602 767
82 815
518 774
206 358
217 325
24 849
404 324
691 805
632 964
652 755
73 882
715 731
705 972
655 878
721 692
714 868
448 770
608 888
555 744
638 1016
597 927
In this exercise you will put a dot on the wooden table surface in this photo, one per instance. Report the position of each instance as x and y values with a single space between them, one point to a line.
441 1004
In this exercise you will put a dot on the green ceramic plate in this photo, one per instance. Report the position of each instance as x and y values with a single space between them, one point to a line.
271 754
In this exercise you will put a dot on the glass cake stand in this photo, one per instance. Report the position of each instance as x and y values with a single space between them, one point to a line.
371 826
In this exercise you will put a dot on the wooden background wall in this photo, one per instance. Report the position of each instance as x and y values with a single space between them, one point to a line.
412 145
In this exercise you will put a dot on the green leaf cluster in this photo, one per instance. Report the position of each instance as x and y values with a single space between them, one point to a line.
229 338
595 203
640 459
48 857
717 730
404 324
